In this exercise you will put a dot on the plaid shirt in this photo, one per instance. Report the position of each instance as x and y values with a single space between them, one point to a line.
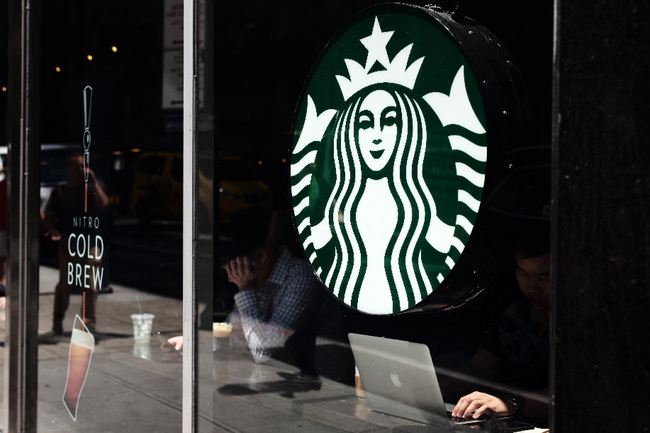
287 313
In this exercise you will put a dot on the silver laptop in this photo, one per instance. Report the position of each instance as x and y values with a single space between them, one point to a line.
399 379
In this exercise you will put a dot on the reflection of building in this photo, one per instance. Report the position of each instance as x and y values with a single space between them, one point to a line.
262 54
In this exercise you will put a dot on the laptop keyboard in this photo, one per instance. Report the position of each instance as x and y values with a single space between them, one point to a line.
470 420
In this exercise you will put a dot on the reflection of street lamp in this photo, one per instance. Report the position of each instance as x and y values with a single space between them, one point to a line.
114 49
89 57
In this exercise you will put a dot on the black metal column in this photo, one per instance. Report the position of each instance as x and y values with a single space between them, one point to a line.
601 216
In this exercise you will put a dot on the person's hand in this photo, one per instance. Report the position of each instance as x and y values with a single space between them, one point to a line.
53 234
176 342
243 272
479 403
91 176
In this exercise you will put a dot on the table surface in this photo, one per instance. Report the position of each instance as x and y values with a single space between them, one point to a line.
275 395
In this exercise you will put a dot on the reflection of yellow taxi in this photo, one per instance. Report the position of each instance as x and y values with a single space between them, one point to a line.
243 197
158 190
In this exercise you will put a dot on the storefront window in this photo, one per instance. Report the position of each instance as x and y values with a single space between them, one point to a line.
490 335
447 259
111 258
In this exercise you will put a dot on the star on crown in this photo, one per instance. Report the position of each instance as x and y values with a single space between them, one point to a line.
396 71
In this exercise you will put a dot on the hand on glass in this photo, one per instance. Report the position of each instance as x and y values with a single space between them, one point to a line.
479 403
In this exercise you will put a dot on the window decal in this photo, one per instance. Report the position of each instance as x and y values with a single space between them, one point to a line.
388 161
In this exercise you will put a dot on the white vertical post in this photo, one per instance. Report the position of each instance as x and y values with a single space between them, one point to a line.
190 311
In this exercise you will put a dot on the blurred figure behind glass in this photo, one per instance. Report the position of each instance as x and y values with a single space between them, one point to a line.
66 201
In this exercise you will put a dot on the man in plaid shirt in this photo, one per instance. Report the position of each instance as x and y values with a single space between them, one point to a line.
281 309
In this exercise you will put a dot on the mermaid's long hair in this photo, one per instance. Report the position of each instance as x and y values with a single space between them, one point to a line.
408 280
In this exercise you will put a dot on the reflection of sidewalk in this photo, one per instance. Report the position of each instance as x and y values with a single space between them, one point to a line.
130 386
113 309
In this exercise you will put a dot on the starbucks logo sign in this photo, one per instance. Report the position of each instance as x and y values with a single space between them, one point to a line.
388 160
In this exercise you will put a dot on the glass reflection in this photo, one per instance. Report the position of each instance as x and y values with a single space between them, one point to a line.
254 105
509 371
119 130
262 54
281 310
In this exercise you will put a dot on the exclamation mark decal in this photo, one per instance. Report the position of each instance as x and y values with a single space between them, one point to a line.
88 99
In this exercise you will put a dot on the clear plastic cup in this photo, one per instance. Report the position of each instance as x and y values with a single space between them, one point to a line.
142 326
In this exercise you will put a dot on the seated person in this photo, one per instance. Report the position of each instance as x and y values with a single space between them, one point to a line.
281 309
515 352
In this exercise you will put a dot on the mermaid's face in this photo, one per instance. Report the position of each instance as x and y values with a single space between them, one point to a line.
377 126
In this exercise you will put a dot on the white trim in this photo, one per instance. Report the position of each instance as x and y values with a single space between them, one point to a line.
190 414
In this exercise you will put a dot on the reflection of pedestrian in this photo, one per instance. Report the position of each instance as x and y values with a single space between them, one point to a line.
65 213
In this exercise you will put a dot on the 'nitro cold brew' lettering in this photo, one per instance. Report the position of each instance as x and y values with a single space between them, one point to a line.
86 276
80 246
89 273
85 222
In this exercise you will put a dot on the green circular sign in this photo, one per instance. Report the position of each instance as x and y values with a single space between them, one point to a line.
388 160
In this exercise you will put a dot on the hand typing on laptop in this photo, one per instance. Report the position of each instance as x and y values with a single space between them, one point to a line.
513 353
479 404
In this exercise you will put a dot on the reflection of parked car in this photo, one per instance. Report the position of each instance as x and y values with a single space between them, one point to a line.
158 190
158 187
243 196
52 165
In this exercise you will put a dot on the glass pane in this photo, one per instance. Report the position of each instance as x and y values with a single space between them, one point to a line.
282 354
111 99
3 182
112 194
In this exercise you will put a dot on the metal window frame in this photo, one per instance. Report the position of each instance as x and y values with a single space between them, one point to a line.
190 200
21 333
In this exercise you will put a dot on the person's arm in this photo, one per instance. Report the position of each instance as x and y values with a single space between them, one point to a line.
294 308
100 198
534 406
51 208
50 228
478 404
261 337
479 368
527 405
